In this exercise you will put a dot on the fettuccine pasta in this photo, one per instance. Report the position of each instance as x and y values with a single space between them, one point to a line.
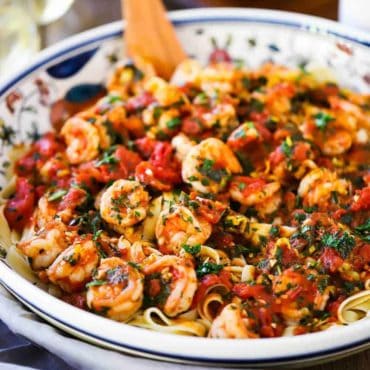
228 203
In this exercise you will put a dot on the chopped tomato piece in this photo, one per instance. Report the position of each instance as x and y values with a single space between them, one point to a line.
162 171
191 126
19 209
245 291
331 260
209 281
145 146
363 201
276 157
154 287
247 185
301 151
139 102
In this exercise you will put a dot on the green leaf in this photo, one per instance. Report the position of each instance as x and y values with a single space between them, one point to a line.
173 123
192 249
286 148
256 105
208 268
363 231
134 265
322 119
96 283
58 194
108 158
342 242
274 231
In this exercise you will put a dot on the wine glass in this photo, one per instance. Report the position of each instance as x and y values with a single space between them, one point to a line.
20 22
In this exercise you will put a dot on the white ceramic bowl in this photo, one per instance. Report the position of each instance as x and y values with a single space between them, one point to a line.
79 66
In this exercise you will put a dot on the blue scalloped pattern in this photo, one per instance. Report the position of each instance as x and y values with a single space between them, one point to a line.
71 66
83 92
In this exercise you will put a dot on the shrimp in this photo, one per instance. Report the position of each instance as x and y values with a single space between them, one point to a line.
222 116
229 324
82 138
46 245
177 226
337 143
55 167
209 165
243 135
117 289
165 93
123 204
186 71
292 309
74 267
182 145
45 211
219 77
177 275
317 187
256 192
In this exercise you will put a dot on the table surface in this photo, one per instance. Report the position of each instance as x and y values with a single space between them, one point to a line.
90 13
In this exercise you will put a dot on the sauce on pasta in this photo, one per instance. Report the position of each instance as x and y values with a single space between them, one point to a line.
230 203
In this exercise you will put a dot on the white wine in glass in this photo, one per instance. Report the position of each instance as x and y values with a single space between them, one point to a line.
19 36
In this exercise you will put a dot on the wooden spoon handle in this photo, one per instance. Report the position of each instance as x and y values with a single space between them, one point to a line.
150 36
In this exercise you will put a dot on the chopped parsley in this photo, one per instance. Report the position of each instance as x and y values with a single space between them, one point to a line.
208 268
89 222
192 249
219 175
342 242
156 299
96 283
363 231
275 230
299 217
245 162
157 112
350 286
256 105
244 250
134 265
201 99
108 158
323 283
322 119
173 123
72 259
58 194
287 147
113 99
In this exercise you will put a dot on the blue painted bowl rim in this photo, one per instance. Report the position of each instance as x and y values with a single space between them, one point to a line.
53 54
200 15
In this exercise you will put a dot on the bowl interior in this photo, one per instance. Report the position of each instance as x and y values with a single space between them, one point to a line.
76 70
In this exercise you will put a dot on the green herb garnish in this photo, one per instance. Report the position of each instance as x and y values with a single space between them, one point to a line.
363 231
192 249
322 119
342 242
208 268
58 194
173 123
96 283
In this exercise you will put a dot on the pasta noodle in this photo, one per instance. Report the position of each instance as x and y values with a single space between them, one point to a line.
227 203
155 319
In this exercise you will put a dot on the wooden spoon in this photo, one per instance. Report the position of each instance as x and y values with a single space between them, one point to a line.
150 36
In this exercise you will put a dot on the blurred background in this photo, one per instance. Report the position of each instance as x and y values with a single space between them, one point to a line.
30 25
